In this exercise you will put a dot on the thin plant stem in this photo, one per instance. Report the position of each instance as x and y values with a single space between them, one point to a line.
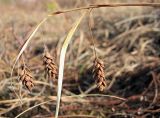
107 5
91 34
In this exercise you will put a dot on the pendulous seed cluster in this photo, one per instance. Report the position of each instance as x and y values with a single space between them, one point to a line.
50 66
98 74
26 78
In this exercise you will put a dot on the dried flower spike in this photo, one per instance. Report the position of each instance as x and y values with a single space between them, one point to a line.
26 78
98 74
50 66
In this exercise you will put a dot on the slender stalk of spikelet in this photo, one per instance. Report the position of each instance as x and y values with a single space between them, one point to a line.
50 66
26 78
98 74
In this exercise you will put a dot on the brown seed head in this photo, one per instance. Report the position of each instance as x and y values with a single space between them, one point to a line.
50 66
98 74
27 79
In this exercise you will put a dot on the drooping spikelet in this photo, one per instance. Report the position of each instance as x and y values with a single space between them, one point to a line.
98 74
50 66
26 78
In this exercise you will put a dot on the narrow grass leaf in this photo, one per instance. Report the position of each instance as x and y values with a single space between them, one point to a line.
27 42
62 58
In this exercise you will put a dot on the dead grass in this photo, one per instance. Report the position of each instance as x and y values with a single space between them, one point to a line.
130 54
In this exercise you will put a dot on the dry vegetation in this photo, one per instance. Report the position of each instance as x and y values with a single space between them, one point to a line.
122 81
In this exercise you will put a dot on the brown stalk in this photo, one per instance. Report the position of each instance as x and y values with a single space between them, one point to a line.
98 74
108 5
26 78
50 65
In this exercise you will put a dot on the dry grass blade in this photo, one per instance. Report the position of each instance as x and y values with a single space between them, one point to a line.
62 58
32 108
26 43
92 6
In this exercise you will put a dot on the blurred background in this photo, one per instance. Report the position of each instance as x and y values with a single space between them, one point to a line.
127 40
